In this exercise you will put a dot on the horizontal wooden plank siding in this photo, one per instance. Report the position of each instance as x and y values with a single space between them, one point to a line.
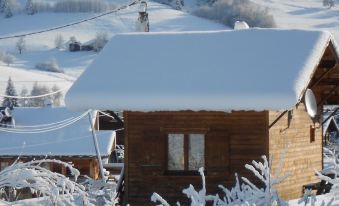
231 140
303 156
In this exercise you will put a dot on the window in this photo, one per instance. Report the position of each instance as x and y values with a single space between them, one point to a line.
3 165
185 152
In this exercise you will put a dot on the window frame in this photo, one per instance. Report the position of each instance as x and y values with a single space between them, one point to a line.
186 133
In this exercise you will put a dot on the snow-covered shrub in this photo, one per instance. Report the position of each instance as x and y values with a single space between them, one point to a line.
329 3
245 193
57 97
42 182
50 66
100 41
101 192
230 11
59 41
8 59
330 174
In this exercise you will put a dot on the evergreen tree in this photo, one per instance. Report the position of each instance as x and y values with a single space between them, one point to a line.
8 8
10 91
36 91
30 7
23 93
57 97
2 6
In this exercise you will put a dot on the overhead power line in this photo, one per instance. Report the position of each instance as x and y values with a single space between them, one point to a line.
33 97
70 24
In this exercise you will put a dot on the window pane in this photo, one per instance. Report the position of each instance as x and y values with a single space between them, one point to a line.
176 152
196 152
3 165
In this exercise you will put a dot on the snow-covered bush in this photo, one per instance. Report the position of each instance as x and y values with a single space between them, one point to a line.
245 193
50 66
36 91
330 174
100 41
42 182
230 11
8 59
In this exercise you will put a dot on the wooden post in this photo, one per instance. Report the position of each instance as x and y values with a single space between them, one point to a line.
95 141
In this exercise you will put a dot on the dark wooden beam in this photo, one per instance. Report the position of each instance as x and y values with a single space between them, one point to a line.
323 100
329 81
321 77
327 63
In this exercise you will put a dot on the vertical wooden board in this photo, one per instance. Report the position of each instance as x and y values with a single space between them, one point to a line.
217 150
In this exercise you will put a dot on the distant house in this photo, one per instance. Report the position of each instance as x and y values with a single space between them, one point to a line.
72 143
74 46
216 99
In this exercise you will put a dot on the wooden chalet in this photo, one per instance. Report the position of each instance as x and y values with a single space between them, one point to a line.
216 100
73 143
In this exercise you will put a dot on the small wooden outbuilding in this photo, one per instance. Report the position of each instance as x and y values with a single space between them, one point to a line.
214 99
72 143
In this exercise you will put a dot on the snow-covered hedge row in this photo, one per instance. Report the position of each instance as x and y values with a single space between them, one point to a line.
230 11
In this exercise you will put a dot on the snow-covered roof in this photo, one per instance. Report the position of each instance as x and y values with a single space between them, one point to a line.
252 69
73 140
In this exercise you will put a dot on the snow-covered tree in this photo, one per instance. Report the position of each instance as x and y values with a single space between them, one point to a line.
9 7
59 41
179 4
329 3
21 45
8 59
10 91
100 41
23 93
42 182
31 7
57 97
245 193
36 91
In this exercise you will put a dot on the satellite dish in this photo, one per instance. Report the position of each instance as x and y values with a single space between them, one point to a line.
239 25
311 103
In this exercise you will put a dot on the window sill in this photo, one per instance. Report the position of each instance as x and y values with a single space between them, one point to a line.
182 173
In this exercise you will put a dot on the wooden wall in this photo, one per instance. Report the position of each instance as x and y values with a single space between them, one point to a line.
86 165
232 140
303 154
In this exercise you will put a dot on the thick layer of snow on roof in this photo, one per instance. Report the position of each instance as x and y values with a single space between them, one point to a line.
253 69
74 140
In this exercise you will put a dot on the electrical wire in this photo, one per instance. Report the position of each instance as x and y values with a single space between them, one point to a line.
71 24
40 125
33 97
46 129
25 145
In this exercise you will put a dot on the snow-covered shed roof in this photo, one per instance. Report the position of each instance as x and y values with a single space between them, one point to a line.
73 140
253 69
